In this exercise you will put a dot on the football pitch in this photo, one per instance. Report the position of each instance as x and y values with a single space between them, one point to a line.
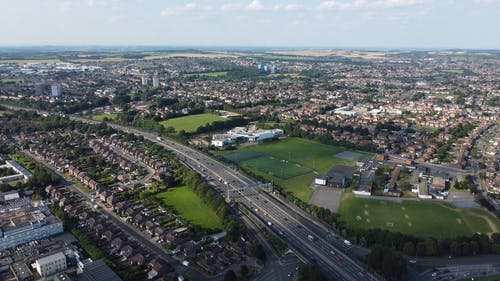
436 219
292 163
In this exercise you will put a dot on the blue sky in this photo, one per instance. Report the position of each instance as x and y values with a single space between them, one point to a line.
316 23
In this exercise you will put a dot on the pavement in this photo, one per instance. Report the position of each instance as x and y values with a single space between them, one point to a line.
327 197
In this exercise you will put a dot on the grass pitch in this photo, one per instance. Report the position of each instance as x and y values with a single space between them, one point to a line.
191 123
206 74
189 206
436 219
291 163
100 117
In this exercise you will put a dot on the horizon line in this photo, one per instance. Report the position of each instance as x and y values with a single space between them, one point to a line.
290 47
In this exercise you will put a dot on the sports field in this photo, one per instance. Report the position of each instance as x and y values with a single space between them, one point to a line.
206 74
191 123
291 163
190 207
100 117
436 219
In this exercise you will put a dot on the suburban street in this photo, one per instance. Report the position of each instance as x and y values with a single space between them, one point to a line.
131 231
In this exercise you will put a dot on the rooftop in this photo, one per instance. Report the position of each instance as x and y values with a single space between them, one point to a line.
98 271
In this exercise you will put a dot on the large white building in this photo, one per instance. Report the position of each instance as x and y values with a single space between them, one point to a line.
241 134
23 220
156 81
346 110
50 264
21 172
56 90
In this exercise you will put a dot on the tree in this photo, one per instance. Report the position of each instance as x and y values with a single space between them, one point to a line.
230 276
431 248
409 249
309 273
420 249
387 262
258 252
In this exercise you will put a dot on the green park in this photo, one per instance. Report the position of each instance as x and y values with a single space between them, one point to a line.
189 206
104 116
191 123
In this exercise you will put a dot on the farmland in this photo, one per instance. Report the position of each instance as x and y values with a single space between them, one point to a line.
190 207
417 218
191 123
291 163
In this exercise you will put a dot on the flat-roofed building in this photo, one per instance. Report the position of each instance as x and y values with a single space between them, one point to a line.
23 220
51 264
21 271
423 190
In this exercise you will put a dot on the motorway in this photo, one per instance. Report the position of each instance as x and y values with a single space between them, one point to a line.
325 250
292 224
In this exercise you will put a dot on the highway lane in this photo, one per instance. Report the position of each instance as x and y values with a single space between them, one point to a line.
319 252
294 230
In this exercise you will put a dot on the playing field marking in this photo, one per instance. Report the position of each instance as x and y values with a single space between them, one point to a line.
368 220
407 217
366 213
358 218
403 208
459 221
389 224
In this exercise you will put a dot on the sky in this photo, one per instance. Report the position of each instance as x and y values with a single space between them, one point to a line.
470 24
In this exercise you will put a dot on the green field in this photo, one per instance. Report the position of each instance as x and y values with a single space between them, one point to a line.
206 74
100 117
191 123
291 163
453 71
436 219
10 80
189 206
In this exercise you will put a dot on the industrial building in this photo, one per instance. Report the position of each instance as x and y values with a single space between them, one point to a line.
242 134
23 220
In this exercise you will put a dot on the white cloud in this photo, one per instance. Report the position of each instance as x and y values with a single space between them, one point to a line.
255 5
292 7
364 4
487 2
232 7
191 10
66 6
